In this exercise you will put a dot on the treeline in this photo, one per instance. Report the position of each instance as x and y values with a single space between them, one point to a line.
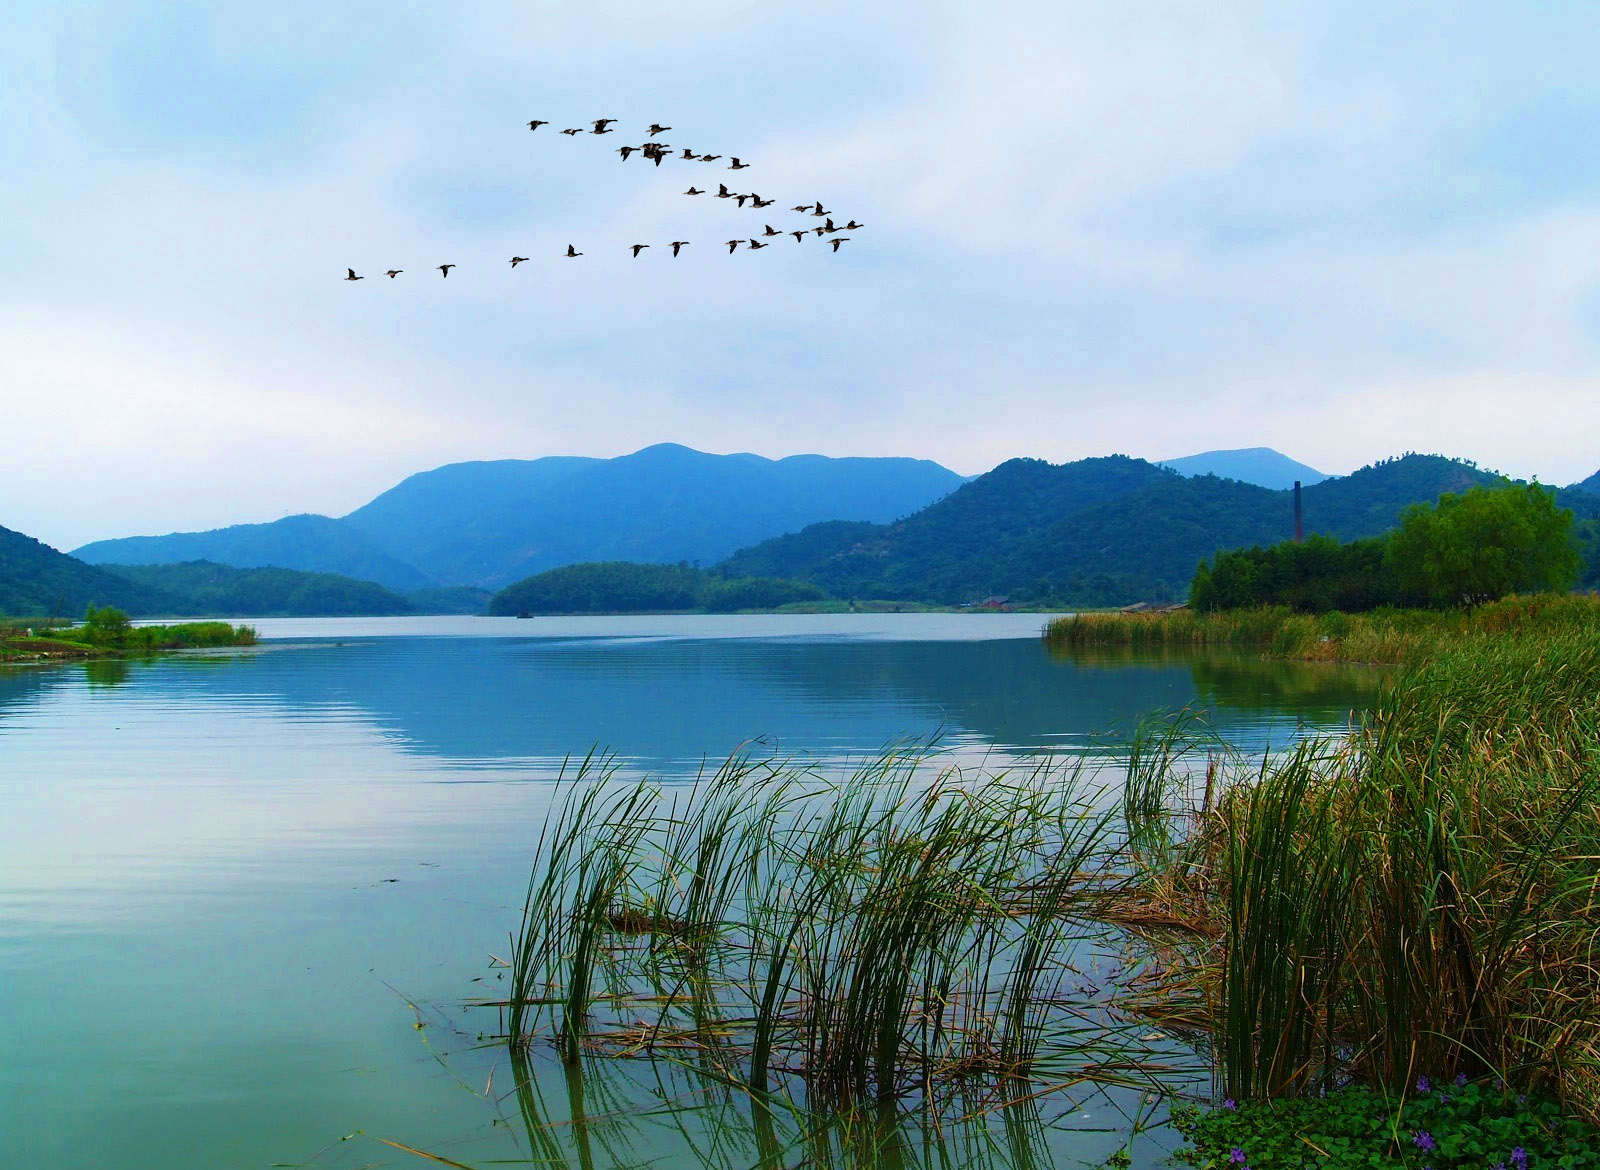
627 587
1469 548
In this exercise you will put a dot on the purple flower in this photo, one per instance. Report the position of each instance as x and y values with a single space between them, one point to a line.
1461 1080
1422 1085
1519 1156
1230 1104
1423 1140
1237 1156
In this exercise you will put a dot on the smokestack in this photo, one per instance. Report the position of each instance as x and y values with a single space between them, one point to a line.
1299 521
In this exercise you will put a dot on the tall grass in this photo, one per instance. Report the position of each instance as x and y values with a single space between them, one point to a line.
901 929
1387 636
1418 900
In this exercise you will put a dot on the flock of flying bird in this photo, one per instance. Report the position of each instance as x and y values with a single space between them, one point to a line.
655 151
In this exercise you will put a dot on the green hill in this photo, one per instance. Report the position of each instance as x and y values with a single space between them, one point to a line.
205 589
1590 485
1098 531
38 581
626 587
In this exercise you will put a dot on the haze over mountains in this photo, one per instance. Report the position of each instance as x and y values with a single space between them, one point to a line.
487 524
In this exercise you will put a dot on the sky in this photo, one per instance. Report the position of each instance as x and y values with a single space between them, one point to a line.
1343 230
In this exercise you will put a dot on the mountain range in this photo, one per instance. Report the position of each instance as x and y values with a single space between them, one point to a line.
1097 531
488 523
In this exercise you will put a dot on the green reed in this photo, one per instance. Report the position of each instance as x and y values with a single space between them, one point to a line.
894 931
1381 636
1418 899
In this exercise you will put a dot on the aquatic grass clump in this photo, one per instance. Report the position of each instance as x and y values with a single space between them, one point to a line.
897 931
1419 897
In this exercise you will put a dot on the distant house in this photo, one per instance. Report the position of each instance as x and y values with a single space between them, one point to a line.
996 601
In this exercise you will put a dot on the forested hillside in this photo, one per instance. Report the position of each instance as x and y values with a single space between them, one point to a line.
624 587
205 589
1099 531
38 581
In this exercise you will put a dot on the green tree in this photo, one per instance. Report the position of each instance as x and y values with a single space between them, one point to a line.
105 626
1485 543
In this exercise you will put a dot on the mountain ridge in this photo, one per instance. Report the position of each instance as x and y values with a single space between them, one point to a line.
487 523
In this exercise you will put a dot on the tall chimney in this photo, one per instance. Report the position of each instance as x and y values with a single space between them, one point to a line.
1299 522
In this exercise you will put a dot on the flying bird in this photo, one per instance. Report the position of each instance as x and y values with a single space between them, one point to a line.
689 154
736 165
578 130
733 246
760 202
536 123
754 244
637 248
694 191
601 124
709 157
657 128
353 275
802 207
827 226
819 211
799 237
723 192
819 230
445 269
741 199
625 151
771 231
676 244
571 252
515 260
853 225
394 272
837 240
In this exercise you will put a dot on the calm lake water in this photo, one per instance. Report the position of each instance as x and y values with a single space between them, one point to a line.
246 898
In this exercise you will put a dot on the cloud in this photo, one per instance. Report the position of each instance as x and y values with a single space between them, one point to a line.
1147 227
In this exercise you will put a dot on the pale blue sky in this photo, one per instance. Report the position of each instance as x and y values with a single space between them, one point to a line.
1341 230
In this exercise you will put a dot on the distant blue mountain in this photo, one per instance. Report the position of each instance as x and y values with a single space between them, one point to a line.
310 543
488 523
1261 466
1592 485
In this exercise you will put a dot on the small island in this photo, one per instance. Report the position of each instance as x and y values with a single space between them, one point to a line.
106 632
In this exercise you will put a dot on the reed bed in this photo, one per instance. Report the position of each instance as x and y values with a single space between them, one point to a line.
1384 636
1416 901
1419 898
894 933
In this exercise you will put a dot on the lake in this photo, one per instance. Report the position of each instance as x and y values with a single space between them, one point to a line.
248 898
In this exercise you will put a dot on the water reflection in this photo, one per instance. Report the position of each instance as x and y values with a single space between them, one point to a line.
215 868
610 1115
668 704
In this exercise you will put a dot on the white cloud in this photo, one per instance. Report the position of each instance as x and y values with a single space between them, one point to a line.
1146 227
